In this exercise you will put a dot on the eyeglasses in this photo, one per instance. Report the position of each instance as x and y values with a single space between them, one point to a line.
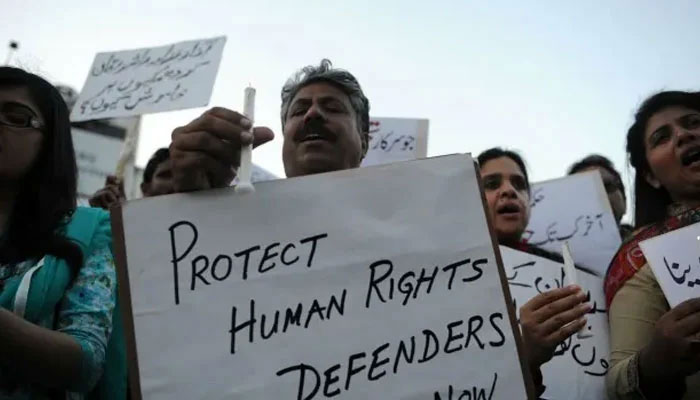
19 119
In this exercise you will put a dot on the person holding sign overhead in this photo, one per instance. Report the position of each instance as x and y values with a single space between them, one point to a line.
548 318
655 351
325 123
59 328
157 181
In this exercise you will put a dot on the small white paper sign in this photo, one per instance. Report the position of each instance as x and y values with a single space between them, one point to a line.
574 209
365 285
675 259
150 80
396 139
96 155
579 366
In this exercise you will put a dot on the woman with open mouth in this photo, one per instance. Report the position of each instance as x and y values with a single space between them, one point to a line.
655 350
549 318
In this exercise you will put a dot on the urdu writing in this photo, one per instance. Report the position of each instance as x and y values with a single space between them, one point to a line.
134 82
579 366
675 259
396 139
574 209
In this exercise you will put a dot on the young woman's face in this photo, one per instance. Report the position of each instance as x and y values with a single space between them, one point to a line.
21 136
672 144
508 198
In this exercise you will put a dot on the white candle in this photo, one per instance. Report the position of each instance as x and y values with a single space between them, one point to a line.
570 270
246 168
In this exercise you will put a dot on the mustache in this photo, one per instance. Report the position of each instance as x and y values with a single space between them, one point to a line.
315 126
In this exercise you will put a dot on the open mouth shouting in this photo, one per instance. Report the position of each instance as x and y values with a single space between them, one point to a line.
509 210
691 157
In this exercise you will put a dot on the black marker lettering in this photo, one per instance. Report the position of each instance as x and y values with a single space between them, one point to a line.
229 267
302 368
373 281
315 309
267 256
406 354
351 368
249 324
198 274
246 253
273 329
329 380
472 330
451 337
406 286
292 317
423 279
283 256
497 329
430 336
453 267
313 240
479 271
177 258
340 307
578 360
376 363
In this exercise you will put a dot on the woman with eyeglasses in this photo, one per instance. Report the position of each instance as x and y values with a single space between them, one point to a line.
549 318
59 325
655 349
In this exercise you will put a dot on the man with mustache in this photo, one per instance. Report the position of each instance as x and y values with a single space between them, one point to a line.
325 125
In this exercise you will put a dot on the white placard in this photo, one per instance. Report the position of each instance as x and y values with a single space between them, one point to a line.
150 80
675 259
578 369
96 155
574 209
384 288
396 139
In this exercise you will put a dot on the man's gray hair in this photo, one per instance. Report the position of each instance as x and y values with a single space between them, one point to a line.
339 78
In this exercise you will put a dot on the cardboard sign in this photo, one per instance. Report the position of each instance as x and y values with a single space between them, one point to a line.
396 139
575 209
675 259
579 366
358 284
96 154
149 80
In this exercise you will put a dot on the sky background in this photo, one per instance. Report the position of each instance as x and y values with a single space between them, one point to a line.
554 80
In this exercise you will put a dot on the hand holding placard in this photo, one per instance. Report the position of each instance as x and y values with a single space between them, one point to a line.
675 259
576 368
674 350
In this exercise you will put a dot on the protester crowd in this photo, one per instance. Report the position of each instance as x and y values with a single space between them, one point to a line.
61 333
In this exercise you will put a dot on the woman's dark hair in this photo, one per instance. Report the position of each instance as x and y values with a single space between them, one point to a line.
599 161
498 152
47 195
157 158
650 204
